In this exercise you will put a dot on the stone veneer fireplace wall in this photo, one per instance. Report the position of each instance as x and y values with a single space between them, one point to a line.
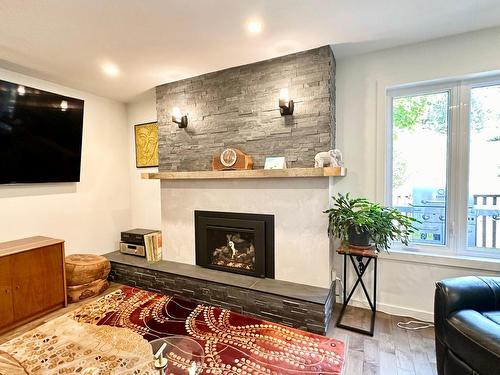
238 107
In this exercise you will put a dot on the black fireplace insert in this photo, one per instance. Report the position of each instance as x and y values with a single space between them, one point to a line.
235 242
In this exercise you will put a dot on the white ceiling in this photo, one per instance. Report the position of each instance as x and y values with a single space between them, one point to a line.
158 41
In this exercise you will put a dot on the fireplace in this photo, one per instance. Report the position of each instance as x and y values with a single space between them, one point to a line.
235 242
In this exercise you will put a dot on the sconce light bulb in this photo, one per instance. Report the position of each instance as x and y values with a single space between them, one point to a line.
285 104
176 112
284 95
178 118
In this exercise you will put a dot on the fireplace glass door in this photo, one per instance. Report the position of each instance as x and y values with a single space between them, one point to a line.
240 243
230 247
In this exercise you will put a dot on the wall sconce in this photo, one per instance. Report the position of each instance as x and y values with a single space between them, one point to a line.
286 105
181 121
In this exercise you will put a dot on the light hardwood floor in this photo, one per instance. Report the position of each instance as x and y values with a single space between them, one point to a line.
391 351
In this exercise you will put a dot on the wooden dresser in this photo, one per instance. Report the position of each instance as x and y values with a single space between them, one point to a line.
32 280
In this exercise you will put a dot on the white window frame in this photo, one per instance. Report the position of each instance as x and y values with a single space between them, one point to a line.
457 178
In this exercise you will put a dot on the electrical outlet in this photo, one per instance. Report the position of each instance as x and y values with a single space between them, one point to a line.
338 286
334 275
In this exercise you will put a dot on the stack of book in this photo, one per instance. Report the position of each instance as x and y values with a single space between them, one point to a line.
153 245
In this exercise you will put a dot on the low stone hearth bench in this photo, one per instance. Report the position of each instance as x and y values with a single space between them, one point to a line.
296 305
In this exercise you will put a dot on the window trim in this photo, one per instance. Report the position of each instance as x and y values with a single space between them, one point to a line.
457 176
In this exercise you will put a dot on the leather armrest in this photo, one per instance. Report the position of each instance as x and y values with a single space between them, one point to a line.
461 293
476 340
472 292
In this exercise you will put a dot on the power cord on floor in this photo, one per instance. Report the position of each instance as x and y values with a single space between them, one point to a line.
414 325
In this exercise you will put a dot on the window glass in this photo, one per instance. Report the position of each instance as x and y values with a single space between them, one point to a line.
483 214
419 162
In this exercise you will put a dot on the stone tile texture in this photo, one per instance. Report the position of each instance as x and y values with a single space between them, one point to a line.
238 107
308 316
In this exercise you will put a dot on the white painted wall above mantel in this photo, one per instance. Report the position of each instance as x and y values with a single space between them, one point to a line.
301 243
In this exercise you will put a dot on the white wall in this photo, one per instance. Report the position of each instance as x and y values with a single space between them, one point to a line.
90 214
145 207
301 242
404 286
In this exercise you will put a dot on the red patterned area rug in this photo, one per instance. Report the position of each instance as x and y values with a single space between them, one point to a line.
110 335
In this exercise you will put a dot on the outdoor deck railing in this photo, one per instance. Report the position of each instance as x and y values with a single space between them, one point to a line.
484 213
487 211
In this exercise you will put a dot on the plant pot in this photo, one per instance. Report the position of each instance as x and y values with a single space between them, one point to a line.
361 239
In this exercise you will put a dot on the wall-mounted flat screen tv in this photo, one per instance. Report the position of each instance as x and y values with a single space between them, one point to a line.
40 135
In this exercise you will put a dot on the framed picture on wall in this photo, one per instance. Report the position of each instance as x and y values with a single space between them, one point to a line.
146 145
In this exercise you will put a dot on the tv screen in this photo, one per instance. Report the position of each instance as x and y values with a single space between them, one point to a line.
40 135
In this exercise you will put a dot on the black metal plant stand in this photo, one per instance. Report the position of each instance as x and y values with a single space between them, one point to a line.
360 259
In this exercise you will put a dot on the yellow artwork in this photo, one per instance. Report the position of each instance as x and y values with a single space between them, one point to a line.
146 145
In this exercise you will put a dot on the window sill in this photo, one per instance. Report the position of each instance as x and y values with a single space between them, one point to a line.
458 261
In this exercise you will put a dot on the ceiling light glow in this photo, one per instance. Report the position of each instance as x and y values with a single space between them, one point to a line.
21 90
110 70
254 27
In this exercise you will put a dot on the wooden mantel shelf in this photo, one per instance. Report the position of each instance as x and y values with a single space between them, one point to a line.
253 173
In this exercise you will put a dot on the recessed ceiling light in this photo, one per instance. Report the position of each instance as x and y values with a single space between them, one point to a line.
254 27
110 70
21 90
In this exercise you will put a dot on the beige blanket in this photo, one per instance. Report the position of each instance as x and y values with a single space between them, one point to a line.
64 346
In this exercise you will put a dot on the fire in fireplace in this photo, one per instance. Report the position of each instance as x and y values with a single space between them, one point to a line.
235 242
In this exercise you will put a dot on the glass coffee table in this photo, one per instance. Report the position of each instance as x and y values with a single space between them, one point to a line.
178 355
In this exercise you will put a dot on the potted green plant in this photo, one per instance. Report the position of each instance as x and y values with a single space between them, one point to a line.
359 222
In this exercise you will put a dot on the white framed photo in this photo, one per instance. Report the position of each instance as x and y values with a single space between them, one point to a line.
275 162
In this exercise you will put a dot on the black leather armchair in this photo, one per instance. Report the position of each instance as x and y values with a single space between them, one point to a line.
467 324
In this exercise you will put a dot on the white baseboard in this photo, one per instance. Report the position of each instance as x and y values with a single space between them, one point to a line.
427 316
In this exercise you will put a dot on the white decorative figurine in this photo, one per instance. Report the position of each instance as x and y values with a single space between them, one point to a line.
333 158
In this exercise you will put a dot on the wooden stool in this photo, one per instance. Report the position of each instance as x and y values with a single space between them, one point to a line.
86 276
